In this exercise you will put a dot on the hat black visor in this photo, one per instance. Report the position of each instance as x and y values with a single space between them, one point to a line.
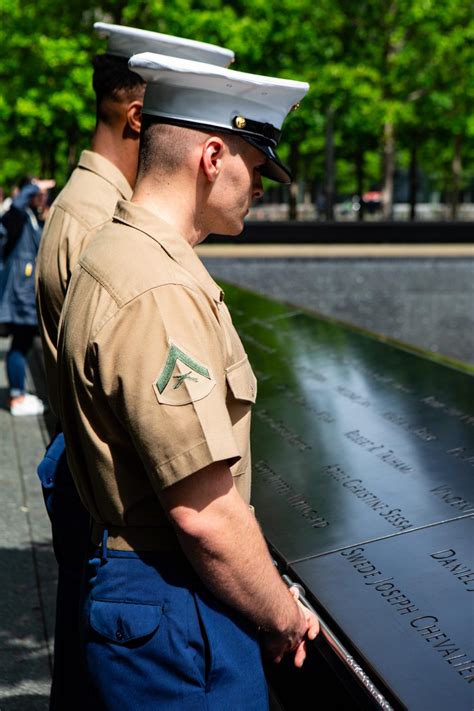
274 168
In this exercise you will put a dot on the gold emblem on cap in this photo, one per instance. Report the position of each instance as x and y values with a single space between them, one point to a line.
295 107
240 122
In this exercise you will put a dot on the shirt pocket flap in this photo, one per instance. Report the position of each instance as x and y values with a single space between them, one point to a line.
122 622
242 381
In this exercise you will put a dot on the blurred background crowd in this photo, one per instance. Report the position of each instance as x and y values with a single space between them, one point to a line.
22 218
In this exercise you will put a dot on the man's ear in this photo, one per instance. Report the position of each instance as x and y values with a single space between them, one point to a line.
134 116
211 161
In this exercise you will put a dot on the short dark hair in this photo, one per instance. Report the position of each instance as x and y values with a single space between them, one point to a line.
147 154
163 146
112 79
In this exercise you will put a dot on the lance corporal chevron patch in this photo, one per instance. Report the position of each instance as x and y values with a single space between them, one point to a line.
182 378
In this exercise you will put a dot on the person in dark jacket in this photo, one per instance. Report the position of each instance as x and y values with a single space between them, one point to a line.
23 226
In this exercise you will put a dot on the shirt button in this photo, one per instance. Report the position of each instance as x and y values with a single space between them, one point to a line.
119 635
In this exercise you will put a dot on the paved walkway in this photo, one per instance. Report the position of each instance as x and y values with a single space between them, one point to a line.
334 251
26 559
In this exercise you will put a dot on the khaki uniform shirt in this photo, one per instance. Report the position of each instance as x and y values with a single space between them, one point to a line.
154 381
84 205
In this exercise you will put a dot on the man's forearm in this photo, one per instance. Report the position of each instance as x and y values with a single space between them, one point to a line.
223 542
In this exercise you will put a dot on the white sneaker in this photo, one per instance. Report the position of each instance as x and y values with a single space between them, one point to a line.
27 404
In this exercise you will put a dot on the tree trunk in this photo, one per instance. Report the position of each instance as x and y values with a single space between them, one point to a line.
44 164
117 11
293 192
389 170
413 181
54 164
359 169
456 168
71 155
329 184
293 202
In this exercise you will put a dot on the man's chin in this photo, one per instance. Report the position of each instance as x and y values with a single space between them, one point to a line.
237 231
231 230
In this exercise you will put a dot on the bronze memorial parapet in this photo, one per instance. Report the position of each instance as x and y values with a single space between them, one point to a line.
363 459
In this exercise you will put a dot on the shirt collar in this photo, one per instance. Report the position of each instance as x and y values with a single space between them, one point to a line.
96 163
174 244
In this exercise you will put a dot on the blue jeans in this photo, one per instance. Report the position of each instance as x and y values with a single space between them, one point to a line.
16 360
70 529
154 638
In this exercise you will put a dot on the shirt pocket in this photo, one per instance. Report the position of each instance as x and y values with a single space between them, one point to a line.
241 394
242 381
124 622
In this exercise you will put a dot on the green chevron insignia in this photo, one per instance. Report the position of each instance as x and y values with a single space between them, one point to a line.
181 378
175 354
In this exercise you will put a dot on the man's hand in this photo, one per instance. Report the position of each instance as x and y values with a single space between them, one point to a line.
294 641
311 633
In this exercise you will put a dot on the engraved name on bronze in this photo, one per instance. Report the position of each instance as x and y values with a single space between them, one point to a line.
281 429
376 579
379 376
247 338
378 450
322 415
306 370
462 454
436 404
263 323
352 396
427 626
295 499
418 430
393 516
453 499
448 559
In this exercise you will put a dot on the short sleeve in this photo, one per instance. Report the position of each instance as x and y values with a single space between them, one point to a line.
161 361
53 270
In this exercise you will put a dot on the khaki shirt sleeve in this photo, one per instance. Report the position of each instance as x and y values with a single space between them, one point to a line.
161 360
61 245
59 252
61 242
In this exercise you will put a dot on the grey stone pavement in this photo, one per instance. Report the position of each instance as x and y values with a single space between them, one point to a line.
426 302
27 565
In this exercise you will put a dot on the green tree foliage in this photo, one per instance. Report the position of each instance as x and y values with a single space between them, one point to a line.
388 78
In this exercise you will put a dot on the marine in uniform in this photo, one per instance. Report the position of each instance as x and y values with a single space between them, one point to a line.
155 393
103 175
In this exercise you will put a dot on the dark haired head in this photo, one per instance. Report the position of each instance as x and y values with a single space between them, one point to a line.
113 81
25 180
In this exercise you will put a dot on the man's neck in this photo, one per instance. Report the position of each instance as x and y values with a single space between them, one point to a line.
170 201
122 152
